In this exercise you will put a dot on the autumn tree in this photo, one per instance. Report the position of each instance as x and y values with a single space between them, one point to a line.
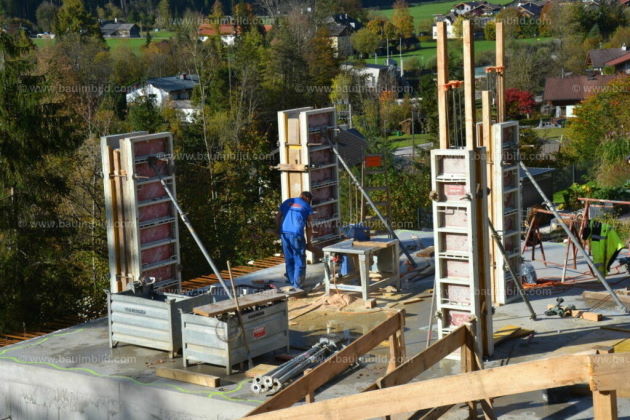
598 134
402 20
365 41
519 103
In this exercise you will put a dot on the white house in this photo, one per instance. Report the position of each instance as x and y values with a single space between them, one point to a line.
174 91
449 20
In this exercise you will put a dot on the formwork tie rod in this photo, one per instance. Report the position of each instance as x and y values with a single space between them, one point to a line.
575 241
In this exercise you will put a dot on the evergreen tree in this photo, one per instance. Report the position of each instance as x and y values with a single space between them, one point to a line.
36 273
73 18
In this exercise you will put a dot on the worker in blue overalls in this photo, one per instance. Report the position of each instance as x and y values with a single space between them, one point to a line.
293 220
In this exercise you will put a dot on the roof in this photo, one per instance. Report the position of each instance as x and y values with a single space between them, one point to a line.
534 171
336 29
113 27
531 9
352 146
175 83
344 19
207 29
619 60
599 58
574 88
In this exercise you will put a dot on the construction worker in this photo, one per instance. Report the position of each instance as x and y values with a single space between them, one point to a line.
293 220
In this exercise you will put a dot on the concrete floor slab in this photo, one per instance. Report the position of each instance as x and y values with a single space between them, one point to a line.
72 374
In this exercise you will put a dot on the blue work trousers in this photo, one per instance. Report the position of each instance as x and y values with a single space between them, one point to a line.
294 249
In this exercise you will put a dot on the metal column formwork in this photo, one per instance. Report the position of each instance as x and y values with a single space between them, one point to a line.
142 225
308 163
506 213
458 215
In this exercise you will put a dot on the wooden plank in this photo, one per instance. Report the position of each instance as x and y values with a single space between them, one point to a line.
455 389
422 361
188 376
592 316
259 370
442 79
373 244
331 367
500 63
469 84
246 301
605 296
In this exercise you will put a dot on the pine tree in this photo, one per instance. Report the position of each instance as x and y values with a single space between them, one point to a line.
36 274
73 18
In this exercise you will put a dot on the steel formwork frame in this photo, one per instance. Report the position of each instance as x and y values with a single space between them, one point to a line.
507 212
142 224
460 209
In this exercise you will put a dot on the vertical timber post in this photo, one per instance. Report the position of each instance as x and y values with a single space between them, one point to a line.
469 84
486 118
605 402
500 64
442 79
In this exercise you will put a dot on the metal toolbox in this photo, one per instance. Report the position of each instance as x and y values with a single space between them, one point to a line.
219 340
152 322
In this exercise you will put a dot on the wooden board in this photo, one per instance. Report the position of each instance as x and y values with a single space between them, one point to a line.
188 376
605 296
598 370
246 301
509 331
259 370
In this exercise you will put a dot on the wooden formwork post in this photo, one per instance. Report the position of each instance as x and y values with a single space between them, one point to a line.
442 79
469 84
500 64
486 141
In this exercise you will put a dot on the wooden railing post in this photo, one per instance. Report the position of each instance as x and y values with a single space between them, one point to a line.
397 349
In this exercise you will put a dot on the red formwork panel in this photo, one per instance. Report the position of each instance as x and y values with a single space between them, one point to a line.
162 274
324 212
452 191
453 217
152 191
156 233
321 195
319 176
452 268
154 217
454 242
321 157
155 211
456 318
158 254
456 294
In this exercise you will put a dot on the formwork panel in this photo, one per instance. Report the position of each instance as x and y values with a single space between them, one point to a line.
304 136
458 259
507 212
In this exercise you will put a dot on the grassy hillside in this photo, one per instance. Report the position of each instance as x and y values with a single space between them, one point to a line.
427 52
133 43
428 9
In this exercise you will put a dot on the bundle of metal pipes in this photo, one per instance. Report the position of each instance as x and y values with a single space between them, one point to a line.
274 381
